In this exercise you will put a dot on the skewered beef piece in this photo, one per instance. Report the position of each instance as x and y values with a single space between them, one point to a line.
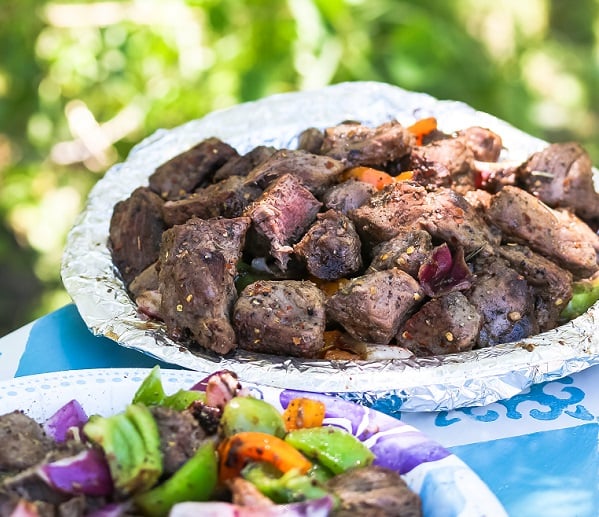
357 144
187 171
444 163
242 165
373 306
331 248
347 195
284 317
552 285
525 219
180 436
444 325
373 491
316 173
23 440
196 280
280 216
561 175
577 225
505 301
407 251
486 145
136 228
228 198
405 205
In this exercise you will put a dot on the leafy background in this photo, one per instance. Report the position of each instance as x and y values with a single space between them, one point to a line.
82 82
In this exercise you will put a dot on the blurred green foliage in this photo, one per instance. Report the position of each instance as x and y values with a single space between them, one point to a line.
82 82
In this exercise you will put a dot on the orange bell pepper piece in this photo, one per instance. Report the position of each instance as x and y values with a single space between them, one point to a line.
423 127
303 412
378 179
241 448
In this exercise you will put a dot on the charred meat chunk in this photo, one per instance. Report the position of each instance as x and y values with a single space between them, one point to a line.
551 284
281 215
310 140
317 173
228 198
356 144
407 251
443 325
525 219
331 248
405 205
186 171
348 195
23 440
444 163
283 317
505 301
197 280
136 228
373 306
561 175
374 491
242 165
486 145
180 436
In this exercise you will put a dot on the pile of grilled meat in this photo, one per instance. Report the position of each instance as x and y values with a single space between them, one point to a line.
291 252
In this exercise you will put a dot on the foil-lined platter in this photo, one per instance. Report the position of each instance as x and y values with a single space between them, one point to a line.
394 383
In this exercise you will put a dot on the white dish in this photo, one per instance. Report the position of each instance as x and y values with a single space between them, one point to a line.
445 484
426 384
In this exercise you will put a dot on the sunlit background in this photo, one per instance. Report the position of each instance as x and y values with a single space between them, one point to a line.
81 82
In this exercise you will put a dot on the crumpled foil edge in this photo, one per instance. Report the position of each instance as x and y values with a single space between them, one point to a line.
416 384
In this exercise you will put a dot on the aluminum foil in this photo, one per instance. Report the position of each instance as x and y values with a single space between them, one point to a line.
408 384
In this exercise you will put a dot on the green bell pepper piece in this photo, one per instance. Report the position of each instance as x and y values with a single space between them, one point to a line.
250 414
584 294
151 393
194 481
287 488
131 444
333 447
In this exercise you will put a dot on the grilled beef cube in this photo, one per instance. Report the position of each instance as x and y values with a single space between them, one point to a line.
283 317
144 290
552 285
577 225
355 144
242 165
281 215
561 175
136 228
317 173
444 163
485 144
407 251
23 440
348 195
374 491
444 325
525 219
373 306
196 280
311 140
505 301
404 206
227 198
386 213
180 436
187 171
331 248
